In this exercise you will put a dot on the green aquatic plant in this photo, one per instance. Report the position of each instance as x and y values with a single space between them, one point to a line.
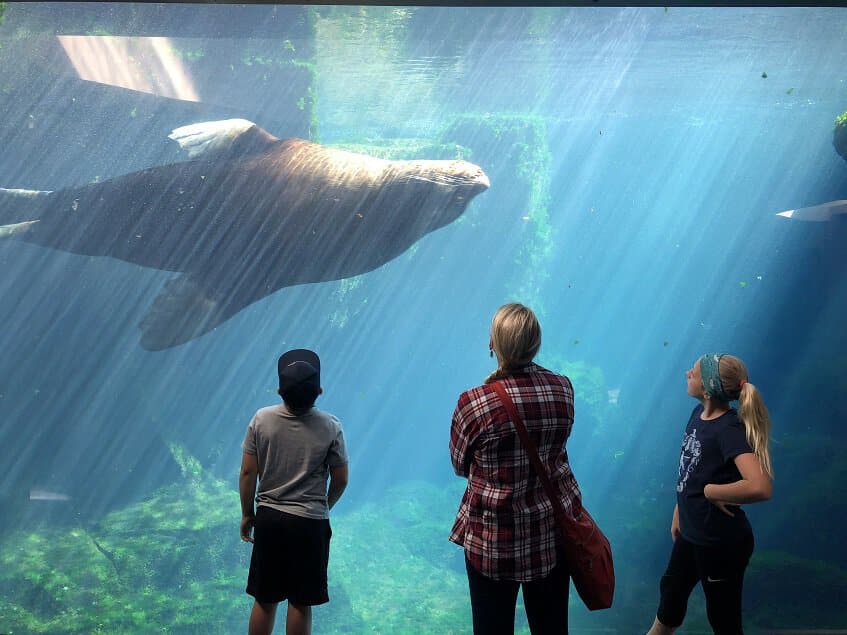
135 571
174 564
396 566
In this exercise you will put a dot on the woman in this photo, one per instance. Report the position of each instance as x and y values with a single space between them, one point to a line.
505 522
724 463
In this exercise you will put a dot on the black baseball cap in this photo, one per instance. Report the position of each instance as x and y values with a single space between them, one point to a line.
299 377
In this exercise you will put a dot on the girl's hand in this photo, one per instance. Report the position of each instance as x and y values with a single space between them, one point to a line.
724 507
720 504
675 524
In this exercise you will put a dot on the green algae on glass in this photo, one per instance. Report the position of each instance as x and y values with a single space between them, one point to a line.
397 149
188 54
839 135
386 27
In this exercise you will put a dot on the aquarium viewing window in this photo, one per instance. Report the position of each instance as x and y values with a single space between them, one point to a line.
188 190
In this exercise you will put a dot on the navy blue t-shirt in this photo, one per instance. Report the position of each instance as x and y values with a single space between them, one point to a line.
708 452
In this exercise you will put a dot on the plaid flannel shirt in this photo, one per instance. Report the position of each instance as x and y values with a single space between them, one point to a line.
505 521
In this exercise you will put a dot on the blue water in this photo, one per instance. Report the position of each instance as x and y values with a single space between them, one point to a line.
674 136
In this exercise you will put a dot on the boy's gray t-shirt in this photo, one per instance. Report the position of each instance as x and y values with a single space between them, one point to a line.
295 453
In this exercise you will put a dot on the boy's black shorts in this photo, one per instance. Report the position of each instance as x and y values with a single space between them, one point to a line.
290 557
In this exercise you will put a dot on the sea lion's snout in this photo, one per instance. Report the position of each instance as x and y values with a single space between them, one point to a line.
476 180
472 174
482 179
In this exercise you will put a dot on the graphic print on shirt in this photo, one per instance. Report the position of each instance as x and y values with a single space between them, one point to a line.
688 458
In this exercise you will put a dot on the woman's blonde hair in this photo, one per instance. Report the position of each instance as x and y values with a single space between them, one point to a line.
751 407
516 338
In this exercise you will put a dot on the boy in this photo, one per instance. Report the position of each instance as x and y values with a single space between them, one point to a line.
293 449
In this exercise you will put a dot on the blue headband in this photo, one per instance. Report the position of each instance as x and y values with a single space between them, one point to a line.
710 372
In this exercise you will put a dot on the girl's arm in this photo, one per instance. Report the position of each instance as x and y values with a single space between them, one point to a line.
675 523
753 487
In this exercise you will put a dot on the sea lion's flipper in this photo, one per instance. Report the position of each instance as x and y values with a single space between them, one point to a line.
16 228
18 205
213 139
817 213
184 309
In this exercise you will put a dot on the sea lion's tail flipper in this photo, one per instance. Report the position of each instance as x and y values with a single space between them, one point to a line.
17 206
818 213
15 228
183 310
227 137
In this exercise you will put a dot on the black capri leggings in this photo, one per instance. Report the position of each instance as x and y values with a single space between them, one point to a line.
720 569
546 602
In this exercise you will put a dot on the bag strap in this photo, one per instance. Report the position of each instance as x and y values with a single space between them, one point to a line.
532 451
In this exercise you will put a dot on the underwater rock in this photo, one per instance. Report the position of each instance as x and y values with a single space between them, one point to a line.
251 215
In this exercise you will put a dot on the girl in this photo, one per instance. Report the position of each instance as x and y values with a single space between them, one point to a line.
724 463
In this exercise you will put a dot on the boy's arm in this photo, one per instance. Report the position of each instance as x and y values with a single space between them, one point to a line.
247 491
337 483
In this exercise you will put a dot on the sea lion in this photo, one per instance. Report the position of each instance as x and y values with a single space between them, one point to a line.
817 213
248 215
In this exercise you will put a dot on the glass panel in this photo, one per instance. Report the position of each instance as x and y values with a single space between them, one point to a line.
190 190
